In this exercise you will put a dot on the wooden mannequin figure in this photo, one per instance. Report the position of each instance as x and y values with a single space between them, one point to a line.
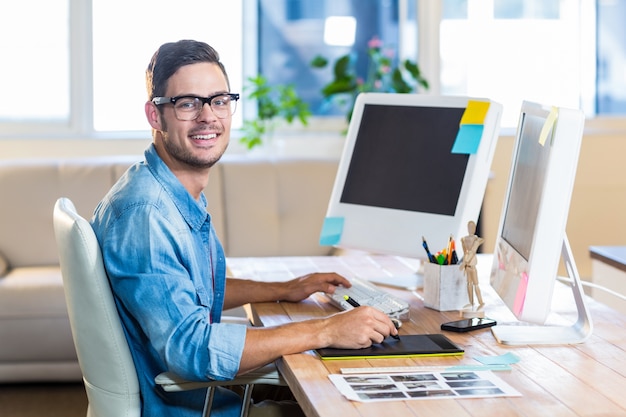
470 244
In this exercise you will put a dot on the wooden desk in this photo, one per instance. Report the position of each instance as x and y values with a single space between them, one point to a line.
614 256
572 380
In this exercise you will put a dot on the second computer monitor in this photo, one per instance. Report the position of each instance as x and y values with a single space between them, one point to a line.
413 166
531 239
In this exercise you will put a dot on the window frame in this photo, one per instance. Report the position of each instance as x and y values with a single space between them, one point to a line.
80 124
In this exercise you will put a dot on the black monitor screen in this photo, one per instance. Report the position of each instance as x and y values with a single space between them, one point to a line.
402 159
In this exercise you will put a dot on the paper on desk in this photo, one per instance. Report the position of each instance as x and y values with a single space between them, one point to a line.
422 386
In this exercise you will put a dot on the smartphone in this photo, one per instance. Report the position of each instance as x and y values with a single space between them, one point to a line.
467 325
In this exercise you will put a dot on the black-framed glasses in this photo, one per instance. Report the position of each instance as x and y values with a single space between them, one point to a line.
189 107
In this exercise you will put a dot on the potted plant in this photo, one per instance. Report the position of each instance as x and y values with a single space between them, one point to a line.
276 104
381 76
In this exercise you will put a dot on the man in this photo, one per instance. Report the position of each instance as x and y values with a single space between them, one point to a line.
166 265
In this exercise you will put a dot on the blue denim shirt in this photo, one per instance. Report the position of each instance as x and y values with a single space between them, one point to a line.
167 272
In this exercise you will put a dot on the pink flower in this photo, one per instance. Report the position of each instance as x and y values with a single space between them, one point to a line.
375 42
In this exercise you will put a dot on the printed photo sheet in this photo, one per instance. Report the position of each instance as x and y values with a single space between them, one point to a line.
422 385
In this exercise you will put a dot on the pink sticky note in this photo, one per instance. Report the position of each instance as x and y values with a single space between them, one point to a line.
520 296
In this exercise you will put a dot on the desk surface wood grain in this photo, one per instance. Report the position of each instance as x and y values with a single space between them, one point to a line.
586 379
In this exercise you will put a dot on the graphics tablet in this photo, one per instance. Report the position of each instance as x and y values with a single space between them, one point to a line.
407 346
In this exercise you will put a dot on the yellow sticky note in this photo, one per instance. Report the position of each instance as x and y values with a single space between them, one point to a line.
547 126
475 112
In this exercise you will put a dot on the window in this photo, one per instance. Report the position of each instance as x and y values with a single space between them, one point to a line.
84 77
292 34
87 88
512 51
611 58
35 69
126 34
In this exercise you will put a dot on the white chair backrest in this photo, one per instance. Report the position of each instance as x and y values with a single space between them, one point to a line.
103 354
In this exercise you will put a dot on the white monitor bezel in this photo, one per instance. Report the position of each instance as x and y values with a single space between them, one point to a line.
399 232
511 272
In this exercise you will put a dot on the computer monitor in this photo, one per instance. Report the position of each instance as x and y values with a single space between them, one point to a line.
413 166
531 237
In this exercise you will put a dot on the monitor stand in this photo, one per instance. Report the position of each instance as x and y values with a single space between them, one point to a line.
578 332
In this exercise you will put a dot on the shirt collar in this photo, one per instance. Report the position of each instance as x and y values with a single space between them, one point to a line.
193 211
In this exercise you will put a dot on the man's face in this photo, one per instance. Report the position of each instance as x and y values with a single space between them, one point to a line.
198 143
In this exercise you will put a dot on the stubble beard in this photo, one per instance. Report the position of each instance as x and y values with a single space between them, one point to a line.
185 156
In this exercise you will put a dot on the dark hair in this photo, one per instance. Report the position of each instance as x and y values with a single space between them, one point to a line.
170 57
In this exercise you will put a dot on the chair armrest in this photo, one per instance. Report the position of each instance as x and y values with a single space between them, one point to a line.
267 375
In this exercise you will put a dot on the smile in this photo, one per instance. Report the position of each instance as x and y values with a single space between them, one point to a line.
204 137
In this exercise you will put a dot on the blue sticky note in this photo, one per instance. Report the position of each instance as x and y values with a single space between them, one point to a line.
506 359
331 231
468 139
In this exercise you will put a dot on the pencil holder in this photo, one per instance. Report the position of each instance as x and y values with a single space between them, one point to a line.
445 287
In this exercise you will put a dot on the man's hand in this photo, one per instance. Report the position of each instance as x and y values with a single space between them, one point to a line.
300 288
357 328
353 329
242 291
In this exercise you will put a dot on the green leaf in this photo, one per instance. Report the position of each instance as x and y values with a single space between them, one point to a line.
340 85
415 72
342 67
319 62
412 68
253 132
274 102
399 84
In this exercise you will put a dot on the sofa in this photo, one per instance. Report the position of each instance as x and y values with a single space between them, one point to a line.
260 207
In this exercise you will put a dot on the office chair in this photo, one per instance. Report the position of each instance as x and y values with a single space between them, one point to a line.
103 354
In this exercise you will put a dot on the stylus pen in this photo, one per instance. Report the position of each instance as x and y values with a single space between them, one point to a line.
351 301
354 304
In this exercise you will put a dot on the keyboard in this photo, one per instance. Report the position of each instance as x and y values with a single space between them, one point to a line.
368 294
